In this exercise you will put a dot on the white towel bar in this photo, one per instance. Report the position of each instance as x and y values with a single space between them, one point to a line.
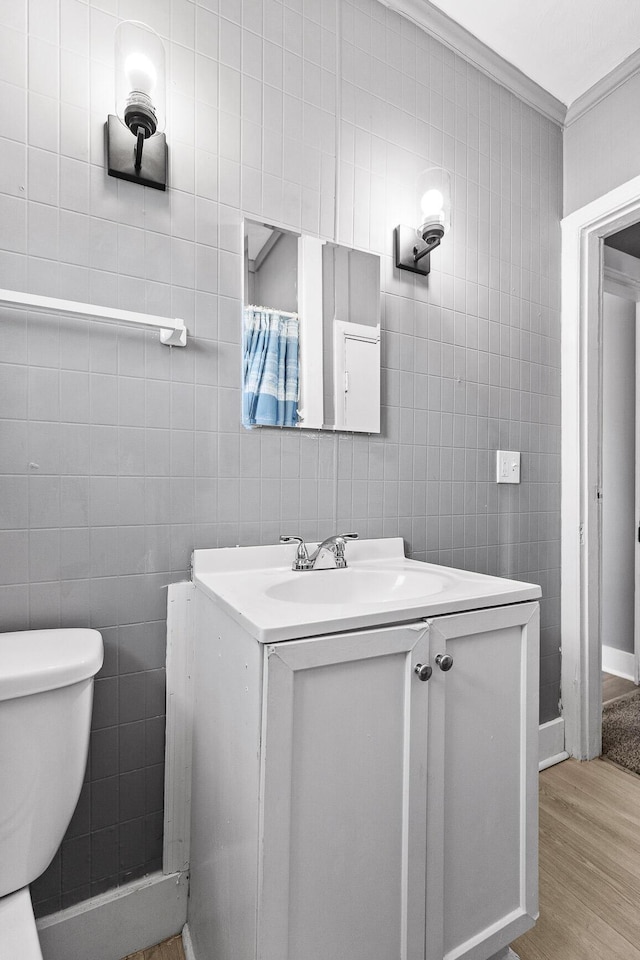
172 332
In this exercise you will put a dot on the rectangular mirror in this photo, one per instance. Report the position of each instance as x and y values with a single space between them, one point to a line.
311 333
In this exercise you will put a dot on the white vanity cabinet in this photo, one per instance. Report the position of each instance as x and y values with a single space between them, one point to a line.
345 809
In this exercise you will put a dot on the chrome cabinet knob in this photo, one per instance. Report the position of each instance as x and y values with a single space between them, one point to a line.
444 661
423 670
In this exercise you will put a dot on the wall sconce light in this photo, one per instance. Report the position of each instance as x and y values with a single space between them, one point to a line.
414 244
136 145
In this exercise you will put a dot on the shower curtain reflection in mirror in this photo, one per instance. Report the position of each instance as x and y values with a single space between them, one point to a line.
270 368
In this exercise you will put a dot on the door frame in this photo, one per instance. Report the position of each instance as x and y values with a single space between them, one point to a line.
636 597
581 307
621 274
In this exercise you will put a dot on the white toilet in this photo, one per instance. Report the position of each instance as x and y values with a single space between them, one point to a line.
46 690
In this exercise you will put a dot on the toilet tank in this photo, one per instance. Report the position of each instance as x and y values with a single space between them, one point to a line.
46 689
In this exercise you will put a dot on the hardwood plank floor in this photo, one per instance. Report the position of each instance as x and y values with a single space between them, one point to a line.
589 865
614 687
170 949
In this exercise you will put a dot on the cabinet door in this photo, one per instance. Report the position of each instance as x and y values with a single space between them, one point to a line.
343 804
484 717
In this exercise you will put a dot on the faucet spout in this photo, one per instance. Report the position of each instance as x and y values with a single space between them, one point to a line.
330 553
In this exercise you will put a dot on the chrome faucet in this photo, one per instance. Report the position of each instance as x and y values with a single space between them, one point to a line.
329 555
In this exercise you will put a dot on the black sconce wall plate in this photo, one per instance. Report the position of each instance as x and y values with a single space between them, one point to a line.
121 154
405 243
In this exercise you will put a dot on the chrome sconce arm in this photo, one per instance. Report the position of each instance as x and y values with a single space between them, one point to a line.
409 255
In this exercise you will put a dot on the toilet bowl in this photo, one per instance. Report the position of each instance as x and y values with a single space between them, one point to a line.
46 689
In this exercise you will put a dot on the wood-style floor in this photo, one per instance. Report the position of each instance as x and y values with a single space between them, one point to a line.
589 865
614 687
170 949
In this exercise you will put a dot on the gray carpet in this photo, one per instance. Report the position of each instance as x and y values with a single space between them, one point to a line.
621 731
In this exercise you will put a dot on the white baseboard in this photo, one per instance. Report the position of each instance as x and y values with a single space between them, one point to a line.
618 662
187 944
119 922
551 743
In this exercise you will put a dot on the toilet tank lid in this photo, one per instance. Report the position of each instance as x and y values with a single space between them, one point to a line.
32 661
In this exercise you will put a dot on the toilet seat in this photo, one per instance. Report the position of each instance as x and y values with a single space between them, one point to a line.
18 925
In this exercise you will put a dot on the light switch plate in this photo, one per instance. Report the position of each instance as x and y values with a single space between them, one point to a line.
507 466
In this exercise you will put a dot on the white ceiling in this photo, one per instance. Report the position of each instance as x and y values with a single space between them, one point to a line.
564 45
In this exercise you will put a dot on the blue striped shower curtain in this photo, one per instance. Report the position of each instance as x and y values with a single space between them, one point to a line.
270 368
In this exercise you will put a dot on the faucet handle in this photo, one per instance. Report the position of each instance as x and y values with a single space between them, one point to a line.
302 549
301 561
340 545
340 541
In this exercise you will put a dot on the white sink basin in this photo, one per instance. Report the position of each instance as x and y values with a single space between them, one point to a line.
257 588
357 585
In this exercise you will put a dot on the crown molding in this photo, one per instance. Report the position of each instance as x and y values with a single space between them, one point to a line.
436 23
606 85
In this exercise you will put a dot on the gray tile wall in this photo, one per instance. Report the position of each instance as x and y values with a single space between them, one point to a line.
119 456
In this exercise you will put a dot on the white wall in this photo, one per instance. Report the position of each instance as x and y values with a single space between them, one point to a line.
601 148
275 284
618 471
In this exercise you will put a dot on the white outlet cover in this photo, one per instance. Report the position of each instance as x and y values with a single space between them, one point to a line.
507 466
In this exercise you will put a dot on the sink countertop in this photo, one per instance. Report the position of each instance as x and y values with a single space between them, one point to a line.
257 587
